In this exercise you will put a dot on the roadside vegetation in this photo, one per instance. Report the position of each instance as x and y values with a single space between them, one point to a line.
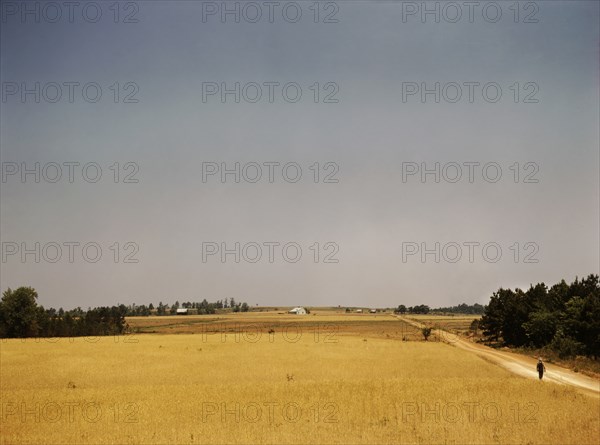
563 319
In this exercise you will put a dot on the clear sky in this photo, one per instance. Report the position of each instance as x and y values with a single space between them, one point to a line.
516 92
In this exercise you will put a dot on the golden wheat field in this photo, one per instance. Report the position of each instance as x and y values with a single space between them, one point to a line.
285 382
455 324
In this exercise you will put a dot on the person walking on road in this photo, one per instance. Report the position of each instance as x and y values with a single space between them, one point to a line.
541 368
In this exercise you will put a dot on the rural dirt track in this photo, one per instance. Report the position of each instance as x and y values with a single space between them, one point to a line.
518 364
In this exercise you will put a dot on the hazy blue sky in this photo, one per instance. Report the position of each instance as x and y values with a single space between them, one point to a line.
544 125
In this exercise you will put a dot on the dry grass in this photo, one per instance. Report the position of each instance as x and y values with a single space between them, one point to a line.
458 324
235 388
326 324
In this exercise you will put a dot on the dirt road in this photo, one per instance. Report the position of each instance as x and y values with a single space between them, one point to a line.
518 364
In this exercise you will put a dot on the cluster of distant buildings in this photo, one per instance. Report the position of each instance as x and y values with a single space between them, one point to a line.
296 311
303 311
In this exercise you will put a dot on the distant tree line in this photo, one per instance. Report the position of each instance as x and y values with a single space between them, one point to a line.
564 318
21 316
463 308
420 309
202 308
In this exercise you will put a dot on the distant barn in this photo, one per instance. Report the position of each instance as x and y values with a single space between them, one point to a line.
182 311
297 311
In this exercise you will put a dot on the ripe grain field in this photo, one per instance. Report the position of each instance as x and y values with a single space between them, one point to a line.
272 378
456 324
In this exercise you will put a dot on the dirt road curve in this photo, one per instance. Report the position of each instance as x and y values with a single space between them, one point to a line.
519 364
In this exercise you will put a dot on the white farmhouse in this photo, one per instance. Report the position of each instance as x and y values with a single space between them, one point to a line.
298 311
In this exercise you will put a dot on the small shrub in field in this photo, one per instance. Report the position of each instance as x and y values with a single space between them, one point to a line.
426 333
